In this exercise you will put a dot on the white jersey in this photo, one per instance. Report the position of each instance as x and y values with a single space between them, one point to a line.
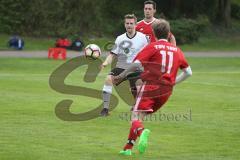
127 48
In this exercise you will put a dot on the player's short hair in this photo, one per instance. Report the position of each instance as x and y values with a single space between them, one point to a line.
130 16
151 2
161 28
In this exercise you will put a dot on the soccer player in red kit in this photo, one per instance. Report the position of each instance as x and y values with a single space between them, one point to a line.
145 25
159 62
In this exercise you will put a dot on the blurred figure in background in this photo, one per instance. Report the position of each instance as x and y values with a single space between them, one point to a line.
16 42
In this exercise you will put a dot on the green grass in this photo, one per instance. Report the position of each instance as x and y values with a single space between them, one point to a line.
224 43
30 43
29 128
36 44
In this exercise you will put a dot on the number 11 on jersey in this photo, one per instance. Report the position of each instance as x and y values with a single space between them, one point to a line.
170 61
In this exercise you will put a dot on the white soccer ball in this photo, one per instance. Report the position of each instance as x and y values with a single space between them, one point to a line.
92 51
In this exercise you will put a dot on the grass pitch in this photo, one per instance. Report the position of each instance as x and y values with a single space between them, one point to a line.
207 107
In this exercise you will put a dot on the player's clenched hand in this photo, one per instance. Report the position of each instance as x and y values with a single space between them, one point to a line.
102 66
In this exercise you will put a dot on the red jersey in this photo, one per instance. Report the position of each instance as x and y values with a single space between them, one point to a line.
161 61
146 28
63 43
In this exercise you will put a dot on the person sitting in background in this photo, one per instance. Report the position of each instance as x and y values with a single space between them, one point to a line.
16 42
63 43
77 44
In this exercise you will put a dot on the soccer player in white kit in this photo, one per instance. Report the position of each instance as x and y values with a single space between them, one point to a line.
125 50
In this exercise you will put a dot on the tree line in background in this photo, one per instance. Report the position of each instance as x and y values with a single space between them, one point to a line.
105 17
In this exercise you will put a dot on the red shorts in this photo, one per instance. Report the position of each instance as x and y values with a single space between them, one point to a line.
152 97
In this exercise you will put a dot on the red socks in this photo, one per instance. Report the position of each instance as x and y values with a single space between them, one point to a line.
135 131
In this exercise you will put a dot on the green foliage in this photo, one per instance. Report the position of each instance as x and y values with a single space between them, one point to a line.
188 30
11 17
50 18
113 14
235 10
175 9
42 18
193 8
62 17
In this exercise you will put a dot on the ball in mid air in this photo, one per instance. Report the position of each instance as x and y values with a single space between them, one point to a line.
92 51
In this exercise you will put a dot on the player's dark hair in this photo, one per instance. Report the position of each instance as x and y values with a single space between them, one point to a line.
161 28
131 16
151 2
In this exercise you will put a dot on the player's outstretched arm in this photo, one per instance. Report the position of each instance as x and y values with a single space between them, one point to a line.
108 60
186 72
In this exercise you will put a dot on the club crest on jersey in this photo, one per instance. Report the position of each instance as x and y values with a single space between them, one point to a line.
126 50
125 46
